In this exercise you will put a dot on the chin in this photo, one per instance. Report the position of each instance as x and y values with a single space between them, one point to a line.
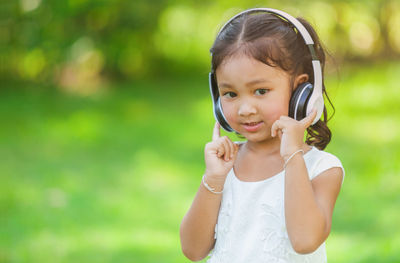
257 137
264 139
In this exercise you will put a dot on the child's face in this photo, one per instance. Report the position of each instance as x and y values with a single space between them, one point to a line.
252 91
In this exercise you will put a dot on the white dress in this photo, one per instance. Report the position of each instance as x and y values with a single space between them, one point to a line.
251 221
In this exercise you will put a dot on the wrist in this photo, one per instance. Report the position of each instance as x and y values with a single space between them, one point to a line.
299 152
291 152
213 184
217 178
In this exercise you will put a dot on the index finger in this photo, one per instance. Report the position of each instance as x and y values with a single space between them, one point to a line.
216 132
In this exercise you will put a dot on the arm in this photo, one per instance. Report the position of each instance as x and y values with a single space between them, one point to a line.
197 227
309 204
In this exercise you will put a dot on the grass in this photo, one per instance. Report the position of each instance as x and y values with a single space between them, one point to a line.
108 177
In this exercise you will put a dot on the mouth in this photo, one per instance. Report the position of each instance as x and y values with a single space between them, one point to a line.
252 126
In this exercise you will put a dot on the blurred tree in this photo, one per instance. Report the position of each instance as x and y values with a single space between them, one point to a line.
79 43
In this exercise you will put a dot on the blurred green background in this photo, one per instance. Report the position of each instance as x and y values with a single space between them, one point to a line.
105 111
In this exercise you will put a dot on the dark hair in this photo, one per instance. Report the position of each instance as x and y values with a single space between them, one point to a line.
270 39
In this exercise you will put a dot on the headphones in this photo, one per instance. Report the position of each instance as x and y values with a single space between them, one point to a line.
305 97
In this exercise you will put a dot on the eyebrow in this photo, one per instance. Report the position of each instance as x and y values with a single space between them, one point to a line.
250 83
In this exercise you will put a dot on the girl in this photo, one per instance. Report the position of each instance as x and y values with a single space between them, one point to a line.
271 197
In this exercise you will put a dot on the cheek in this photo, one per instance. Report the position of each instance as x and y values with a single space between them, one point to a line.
275 110
229 112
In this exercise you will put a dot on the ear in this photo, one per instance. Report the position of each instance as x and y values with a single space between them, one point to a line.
300 79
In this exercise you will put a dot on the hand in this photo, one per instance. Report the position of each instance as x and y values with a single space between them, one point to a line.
220 154
291 132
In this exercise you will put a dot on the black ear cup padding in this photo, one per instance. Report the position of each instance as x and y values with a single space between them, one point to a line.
300 98
214 87
220 116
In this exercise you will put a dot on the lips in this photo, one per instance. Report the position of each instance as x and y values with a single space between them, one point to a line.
251 123
252 126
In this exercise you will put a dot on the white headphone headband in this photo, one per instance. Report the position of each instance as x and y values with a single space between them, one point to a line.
299 26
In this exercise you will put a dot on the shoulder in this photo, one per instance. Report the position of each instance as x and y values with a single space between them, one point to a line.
318 161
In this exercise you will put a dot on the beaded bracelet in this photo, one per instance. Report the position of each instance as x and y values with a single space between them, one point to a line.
212 190
284 166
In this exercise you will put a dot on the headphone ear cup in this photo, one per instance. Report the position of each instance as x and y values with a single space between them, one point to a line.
219 114
299 100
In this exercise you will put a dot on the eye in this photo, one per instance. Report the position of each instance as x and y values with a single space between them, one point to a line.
230 94
261 91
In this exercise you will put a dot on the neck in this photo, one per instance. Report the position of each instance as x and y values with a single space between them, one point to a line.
264 148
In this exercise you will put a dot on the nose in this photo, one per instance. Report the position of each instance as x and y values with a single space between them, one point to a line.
247 109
